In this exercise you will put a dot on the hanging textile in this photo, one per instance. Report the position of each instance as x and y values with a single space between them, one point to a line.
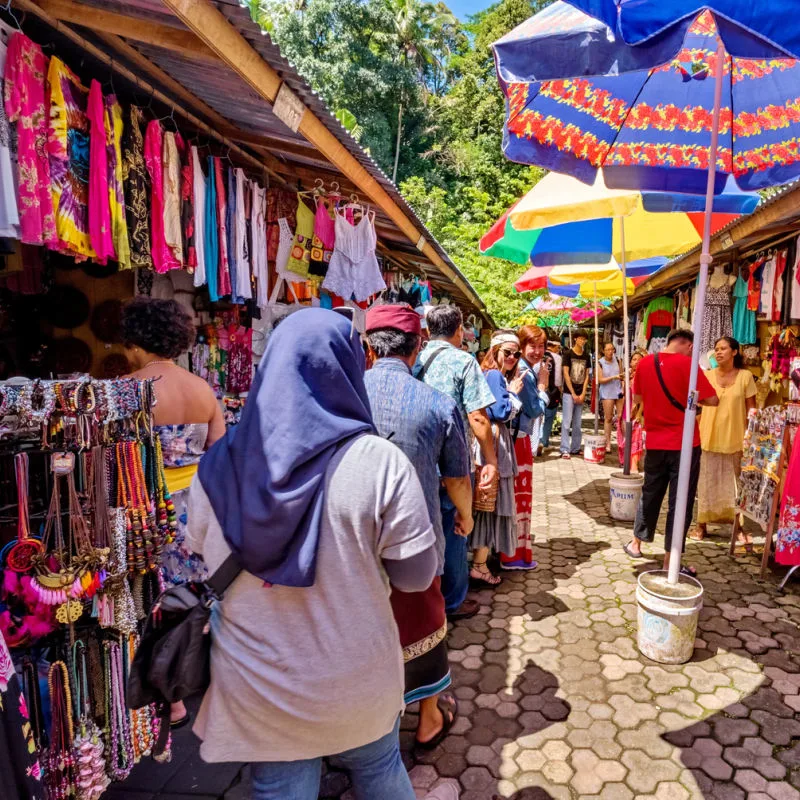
163 258
135 181
230 227
324 238
9 213
116 191
787 537
243 287
25 92
199 207
259 249
99 184
187 205
744 320
68 147
212 232
173 233
300 254
223 268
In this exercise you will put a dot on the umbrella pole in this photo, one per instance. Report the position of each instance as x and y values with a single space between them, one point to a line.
596 365
626 469
681 501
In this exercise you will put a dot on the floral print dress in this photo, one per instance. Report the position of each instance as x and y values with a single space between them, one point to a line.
25 104
787 539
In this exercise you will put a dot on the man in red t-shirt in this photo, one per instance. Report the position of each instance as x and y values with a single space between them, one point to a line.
663 400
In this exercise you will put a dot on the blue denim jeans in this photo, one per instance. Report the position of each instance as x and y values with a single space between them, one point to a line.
376 770
455 578
571 425
547 426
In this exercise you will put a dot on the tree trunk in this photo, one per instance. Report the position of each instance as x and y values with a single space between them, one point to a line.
397 146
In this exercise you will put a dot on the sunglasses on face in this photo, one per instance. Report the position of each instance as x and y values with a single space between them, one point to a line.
509 354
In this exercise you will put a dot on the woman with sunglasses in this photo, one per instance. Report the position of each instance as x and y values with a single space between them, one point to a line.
497 530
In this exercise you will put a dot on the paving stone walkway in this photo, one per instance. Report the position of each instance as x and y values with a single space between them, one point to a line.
555 700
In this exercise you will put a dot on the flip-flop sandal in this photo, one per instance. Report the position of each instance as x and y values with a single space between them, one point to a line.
181 723
630 552
690 571
448 705
482 583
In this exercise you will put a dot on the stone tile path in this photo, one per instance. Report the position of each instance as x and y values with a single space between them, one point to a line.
555 700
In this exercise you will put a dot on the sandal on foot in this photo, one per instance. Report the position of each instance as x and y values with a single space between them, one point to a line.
690 571
180 723
449 708
697 534
630 552
484 576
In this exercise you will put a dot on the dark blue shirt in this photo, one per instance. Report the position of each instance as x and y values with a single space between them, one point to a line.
426 425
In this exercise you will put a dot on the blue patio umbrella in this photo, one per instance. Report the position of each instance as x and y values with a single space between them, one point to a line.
748 28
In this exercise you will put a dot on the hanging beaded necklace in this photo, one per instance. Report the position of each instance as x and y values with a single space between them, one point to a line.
20 556
59 761
119 762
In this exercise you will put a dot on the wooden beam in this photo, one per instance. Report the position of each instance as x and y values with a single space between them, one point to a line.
210 25
134 28
32 8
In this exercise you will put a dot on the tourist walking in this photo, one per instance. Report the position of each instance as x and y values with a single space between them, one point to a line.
662 386
305 655
427 426
721 435
443 365
496 530
554 390
576 370
609 379
535 371
188 420
637 440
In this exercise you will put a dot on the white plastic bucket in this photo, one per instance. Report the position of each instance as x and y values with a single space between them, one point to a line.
625 490
594 448
667 618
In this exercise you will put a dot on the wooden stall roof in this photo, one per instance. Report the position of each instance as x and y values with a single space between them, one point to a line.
209 62
773 220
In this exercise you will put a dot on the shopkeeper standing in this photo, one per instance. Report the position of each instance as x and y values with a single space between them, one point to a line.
187 416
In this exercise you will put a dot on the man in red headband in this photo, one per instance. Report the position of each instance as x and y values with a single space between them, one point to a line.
427 426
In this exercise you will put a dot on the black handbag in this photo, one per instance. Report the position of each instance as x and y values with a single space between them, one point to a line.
172 661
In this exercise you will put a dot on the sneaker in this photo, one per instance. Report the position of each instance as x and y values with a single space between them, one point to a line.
444 791
467 610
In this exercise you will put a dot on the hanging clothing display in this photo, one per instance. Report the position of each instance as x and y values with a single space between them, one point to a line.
199 207
9 213
116 191
794 308
300 255
717 319
324 239
354 271
173 230
230 226
163 258
68 148
187 206
744 320
242 289
223 268
25 90
259 247
211 225
787 537
99 183
135 181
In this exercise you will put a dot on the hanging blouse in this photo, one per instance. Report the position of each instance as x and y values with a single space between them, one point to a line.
259 249
300 256
230 228
243 286
172 198
744 321
25 93
323 240
9 213
212 231
135 181
99 199
116 192
68 147
280 205
223 273
187 205
199 207
777 294
163 258
240 359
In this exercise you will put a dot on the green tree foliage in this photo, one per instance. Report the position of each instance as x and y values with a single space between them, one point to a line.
367 58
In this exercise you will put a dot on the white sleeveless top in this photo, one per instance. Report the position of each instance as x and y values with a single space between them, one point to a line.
354 271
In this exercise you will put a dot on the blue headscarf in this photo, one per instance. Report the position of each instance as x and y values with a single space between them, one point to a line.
265 478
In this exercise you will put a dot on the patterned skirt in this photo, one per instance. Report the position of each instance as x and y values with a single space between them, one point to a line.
422 624
718 486
178 563
523 499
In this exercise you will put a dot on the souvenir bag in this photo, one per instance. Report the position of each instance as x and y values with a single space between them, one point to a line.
484 498
173 658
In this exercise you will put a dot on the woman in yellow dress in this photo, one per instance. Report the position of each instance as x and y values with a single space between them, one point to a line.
722 431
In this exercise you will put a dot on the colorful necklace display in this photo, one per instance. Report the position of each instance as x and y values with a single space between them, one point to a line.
59 761
118 733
